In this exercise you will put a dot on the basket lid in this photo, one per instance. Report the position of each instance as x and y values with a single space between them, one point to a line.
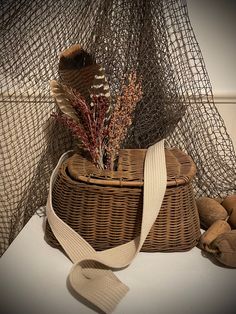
130 169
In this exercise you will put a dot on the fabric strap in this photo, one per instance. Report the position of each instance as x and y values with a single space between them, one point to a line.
90 276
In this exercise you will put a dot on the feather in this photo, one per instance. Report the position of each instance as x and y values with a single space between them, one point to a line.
80 80
63 100
100 85
75 57
78 70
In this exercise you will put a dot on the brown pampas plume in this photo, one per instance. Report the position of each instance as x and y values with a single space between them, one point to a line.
121 117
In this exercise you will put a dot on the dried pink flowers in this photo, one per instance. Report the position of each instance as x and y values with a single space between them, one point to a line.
100 130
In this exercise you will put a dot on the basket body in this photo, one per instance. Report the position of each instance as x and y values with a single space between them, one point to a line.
105 208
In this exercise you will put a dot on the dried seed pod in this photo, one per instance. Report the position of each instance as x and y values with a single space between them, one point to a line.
217 228
229 203
232 219
224 247
209 211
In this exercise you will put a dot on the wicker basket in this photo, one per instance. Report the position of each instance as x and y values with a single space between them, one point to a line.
105 207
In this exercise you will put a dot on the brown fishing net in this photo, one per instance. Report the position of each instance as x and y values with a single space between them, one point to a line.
152 37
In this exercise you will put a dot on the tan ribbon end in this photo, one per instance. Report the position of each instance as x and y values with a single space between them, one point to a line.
102 289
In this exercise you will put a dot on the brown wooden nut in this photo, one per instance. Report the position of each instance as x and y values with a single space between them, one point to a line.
218 227
225 248
229 204
209 211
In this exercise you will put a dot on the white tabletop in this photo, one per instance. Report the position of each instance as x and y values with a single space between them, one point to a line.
34 281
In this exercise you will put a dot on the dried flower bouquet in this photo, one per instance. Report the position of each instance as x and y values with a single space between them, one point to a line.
100 126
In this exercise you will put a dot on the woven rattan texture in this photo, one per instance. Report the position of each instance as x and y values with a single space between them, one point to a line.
155 38
107 215
130 168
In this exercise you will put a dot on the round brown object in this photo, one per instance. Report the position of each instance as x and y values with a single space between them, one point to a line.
224 247
209 211
217 228
229 204
232 219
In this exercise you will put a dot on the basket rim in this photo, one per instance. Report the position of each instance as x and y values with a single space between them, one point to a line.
136 183
107 178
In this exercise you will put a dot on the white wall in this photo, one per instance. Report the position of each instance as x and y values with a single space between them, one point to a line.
214 24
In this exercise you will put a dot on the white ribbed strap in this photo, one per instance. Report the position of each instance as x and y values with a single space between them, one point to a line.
90 276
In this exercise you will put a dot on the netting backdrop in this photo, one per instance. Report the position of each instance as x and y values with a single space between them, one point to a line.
153 37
